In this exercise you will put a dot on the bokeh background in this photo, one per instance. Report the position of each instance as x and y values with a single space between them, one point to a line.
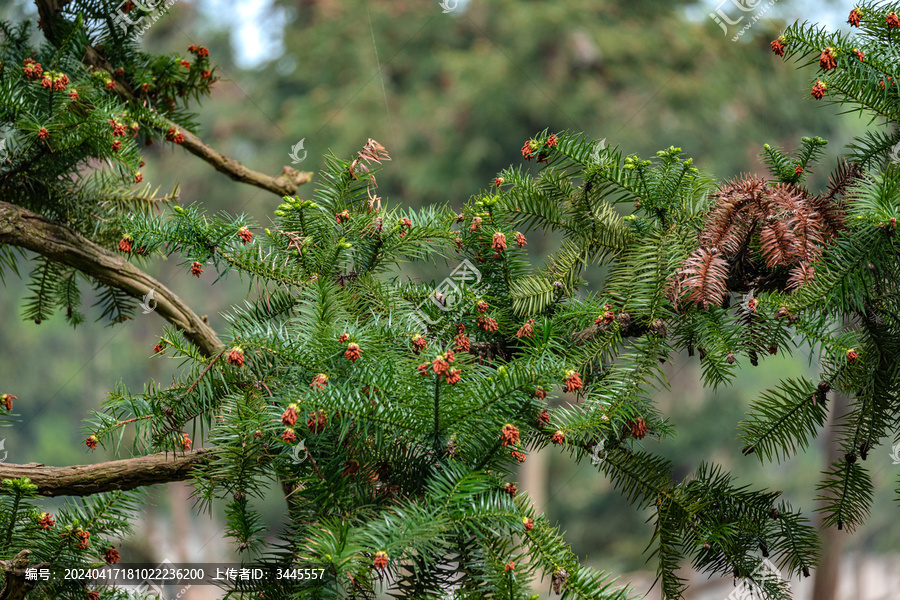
453 96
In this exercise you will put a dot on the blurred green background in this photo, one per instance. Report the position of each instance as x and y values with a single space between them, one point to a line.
452 96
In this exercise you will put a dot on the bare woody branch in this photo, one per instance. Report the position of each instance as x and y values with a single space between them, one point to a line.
124 474
29 230
285 184
17 584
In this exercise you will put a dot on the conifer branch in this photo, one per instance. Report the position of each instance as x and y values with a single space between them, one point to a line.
123 474
29 230
285 184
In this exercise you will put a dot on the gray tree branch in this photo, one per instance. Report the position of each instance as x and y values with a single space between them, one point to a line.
123 474
29 230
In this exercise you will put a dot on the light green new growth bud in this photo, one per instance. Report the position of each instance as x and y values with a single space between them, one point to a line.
178 209
268 232
284 207
279 213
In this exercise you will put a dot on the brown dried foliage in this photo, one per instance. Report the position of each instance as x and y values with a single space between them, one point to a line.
783 225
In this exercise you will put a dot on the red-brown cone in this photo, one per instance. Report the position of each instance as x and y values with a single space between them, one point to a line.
527 330
509 435
46 521
289 416
462 343
235 357
826 59
319 381
498 242
353 352
639 428
317 421
83 539
573 381
778 47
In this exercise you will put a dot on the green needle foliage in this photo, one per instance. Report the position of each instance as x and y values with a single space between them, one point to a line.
392 414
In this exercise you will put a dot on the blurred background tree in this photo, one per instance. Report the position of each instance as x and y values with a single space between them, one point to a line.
453 96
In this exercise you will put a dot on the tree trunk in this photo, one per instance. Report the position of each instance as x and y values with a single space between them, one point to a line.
827 576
